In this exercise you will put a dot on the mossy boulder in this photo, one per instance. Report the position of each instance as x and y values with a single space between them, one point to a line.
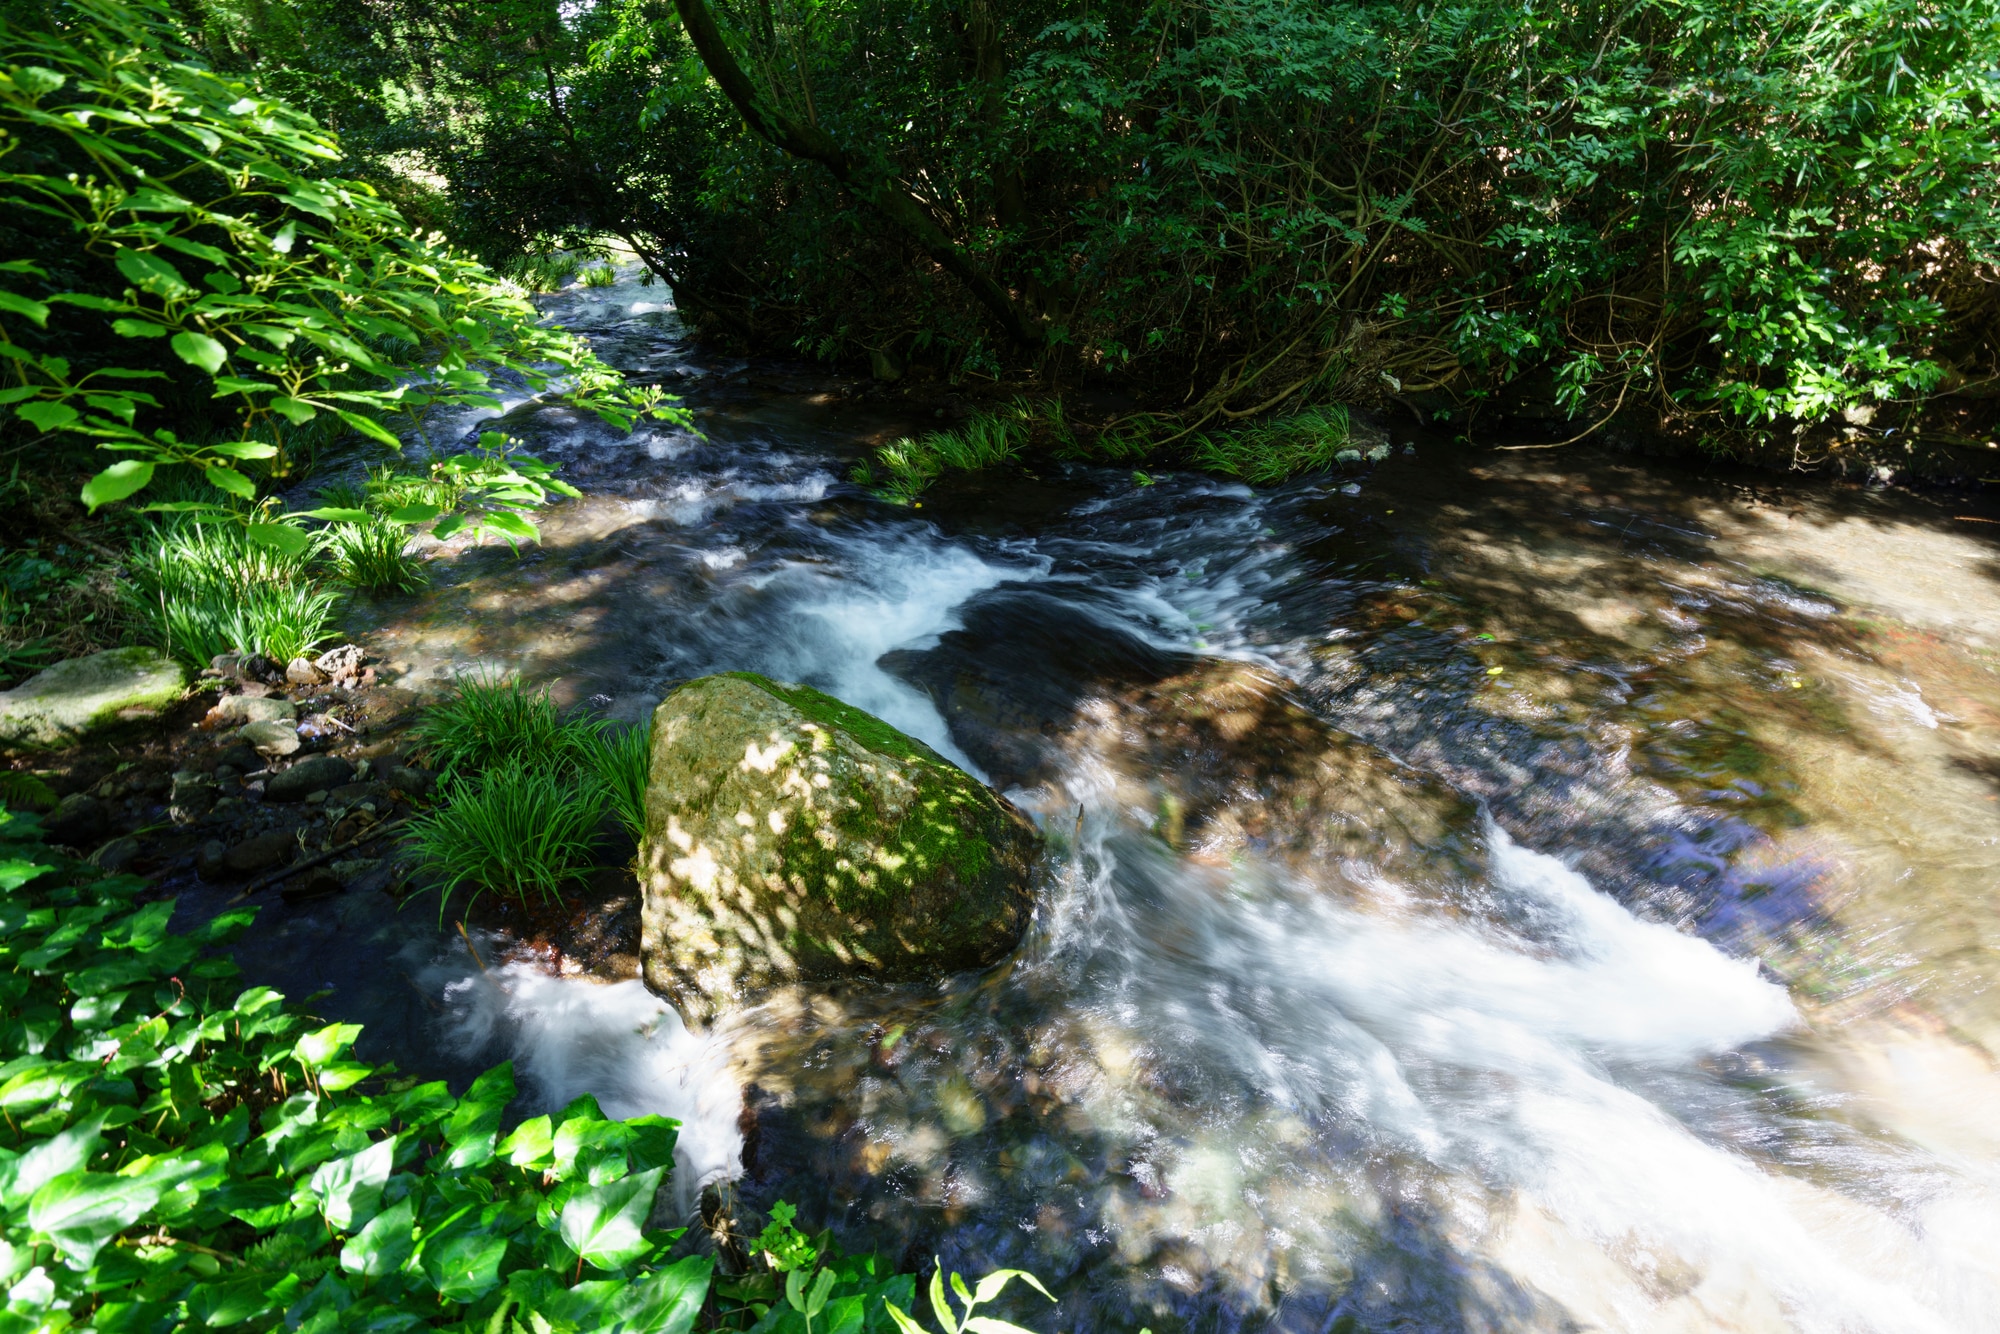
78 696
794 838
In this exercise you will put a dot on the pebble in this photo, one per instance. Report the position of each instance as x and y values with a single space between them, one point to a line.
271 738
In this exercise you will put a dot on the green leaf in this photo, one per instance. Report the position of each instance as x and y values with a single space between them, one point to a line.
513 525
80 1211
116 482
244 449
46 415
464 1265
198 349
232 481
15 872
605 1224
21 305
384 1245
996 1282
295 410
138 329
369 427
331 514
280 536
471 1129
150 272
416 513
667 1300
349 1189
68 1151
531 1145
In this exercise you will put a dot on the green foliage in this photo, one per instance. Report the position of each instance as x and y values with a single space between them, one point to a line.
181 217
490 719
201 589
601 275
1272 450
1736 212
178 1153
513 828
623 762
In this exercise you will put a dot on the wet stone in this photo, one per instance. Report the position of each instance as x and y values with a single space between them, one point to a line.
79 820
317 773
261 853
301 672
410 781
236 710
209 862
318 883
117 855
79 696
272 738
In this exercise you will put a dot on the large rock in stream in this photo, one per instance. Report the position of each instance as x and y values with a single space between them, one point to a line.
77 696
794 838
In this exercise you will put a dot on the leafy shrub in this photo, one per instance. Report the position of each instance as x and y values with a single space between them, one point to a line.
623 761
909 466
490 719
374 555
181 217
180 1153
208 588
511 829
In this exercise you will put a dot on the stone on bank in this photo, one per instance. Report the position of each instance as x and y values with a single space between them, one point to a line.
78 696
794 838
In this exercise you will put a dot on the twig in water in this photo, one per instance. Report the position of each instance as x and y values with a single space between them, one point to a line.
464 935
287 872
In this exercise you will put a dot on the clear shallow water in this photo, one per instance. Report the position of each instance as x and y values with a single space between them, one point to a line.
1643 984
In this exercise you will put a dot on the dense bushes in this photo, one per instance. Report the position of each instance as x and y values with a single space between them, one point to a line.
1740 214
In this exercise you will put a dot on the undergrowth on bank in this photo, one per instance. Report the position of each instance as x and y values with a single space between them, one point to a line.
202 589
178 1152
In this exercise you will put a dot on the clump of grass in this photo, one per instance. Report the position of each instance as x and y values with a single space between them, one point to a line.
545 273
209 588
515 829
1271 451
623 762
600 275
909 466
374 556
490 721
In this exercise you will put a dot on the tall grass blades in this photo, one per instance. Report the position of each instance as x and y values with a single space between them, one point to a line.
624 763
1269 452
514 829
909 466
600 275
209 588
490 721
374 556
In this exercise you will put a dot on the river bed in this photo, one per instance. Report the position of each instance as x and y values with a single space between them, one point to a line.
1506 890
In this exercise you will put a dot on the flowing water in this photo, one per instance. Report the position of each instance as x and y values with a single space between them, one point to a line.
1507 891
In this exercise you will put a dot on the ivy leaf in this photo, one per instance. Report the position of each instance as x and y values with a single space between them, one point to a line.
531 1145
116 482
667 1300
606 1224
80 1211
472 1128
384 1245
349 1189
464 1265
198 349
64 1153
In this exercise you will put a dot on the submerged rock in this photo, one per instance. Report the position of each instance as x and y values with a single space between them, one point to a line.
80 695
791 837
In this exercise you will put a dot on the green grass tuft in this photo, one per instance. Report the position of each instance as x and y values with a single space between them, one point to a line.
623 763
209 588
1271 451
374 556
907 467
600 275
515 829
489 721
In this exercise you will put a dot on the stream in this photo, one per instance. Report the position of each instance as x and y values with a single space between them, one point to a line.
1507 890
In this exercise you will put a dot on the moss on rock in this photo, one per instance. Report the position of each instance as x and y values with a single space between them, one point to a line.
792 837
